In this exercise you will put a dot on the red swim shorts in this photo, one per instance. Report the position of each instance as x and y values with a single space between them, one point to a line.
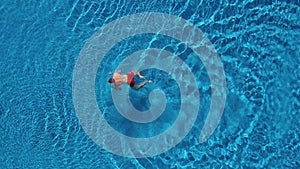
130 80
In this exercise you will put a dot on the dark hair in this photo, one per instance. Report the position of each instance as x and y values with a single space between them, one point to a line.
111 80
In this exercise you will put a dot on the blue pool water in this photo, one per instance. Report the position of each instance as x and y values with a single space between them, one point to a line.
258 43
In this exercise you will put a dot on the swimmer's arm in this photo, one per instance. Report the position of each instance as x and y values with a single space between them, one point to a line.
117 87
119 71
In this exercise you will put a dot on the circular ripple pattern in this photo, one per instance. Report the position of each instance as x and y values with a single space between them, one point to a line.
103 40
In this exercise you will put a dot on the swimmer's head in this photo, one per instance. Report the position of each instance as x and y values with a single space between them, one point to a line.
111 80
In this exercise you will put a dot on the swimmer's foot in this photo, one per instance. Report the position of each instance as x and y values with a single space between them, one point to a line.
149 81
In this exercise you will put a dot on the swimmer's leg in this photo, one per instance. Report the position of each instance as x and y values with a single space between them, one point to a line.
136 72
142 84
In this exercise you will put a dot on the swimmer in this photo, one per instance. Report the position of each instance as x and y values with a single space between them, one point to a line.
119 79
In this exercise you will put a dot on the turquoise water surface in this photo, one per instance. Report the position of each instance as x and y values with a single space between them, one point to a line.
258 44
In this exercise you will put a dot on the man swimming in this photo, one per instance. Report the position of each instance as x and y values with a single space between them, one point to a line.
119 79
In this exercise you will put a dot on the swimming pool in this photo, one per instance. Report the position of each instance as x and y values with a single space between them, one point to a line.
257 43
